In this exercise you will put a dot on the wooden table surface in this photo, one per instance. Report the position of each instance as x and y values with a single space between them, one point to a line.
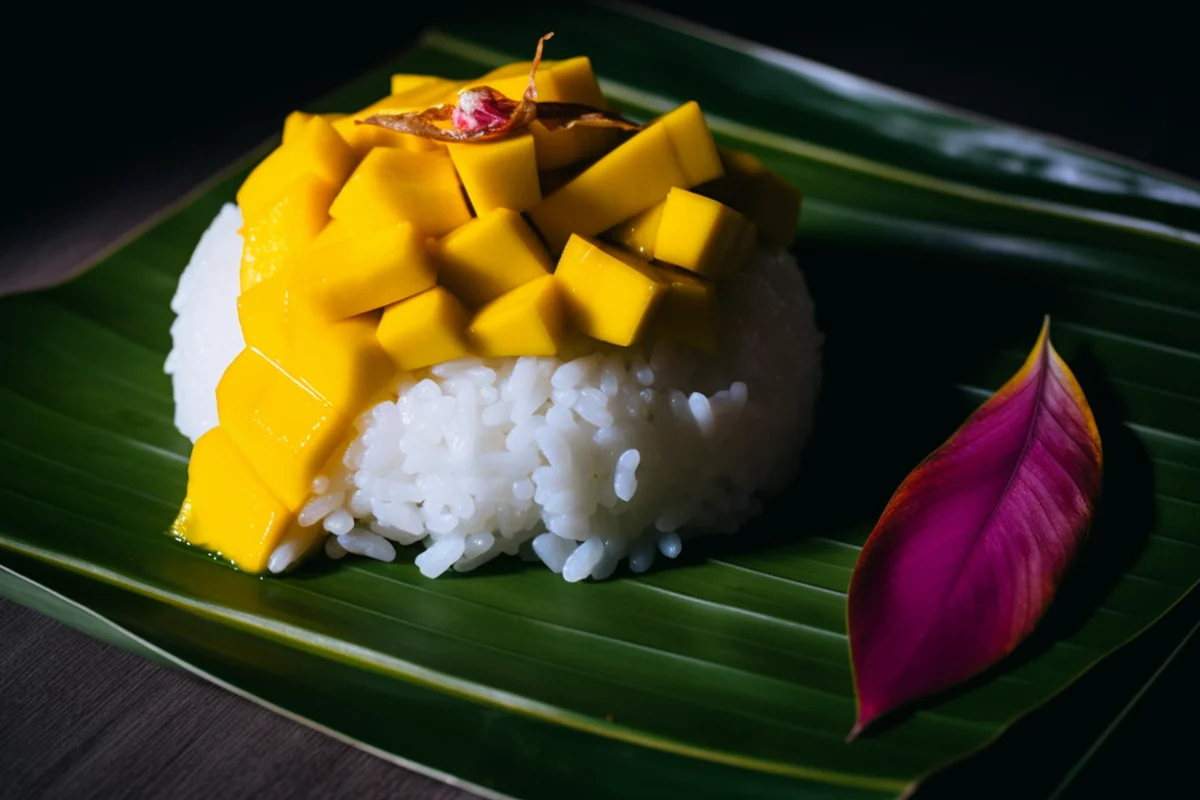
79 718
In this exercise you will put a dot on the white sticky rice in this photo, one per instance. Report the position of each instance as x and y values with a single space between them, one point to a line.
579 464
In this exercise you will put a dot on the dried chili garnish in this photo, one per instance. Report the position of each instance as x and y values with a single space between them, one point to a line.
483 114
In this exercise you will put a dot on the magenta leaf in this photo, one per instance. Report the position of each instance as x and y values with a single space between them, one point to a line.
973 545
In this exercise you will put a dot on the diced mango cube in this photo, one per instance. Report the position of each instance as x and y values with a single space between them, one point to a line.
332 232
262 312
508 70
637 235
688 313
569 81
406 83
424 330
610 295
341 361
625 182
490 255
767 200
392 185
527 321
314 148
699 234
572 81
229 509
285 228
500 174
358 273
362 138
294 123
286 431
743 250
693 143
563 147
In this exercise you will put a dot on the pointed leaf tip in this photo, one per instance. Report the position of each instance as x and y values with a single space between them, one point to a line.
971 548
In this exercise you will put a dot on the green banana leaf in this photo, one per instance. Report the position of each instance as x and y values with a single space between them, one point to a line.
933 243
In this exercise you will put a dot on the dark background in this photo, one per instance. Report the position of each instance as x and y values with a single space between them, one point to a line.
110 116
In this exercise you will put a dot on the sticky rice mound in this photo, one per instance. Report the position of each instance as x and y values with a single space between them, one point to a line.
578 461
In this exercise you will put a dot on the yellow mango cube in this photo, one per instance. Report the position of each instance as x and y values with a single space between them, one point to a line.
424 330
500 174
767 200
569 81
286 431
699 234
743 251
609 294
229 509
508 70
623 183
527 321
358 273
262 313
693 143
363 138
341 361
406 83
563 147
285 228
293 123
637 235
490 255
392 186
688 313
314 147
333 231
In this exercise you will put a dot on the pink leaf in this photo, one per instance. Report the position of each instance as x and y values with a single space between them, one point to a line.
971 548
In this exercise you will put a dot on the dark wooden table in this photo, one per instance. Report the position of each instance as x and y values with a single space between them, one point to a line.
79 718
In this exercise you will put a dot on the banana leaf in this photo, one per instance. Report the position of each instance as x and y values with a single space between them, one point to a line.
933 242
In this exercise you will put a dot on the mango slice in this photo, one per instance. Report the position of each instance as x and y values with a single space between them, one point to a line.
610 295
424 330
359 273
527 321
625 182
285 228
701 235
490 255
688 312
639 233
500 174
392 185
314 148
285 431
693 143
229 509
767 200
